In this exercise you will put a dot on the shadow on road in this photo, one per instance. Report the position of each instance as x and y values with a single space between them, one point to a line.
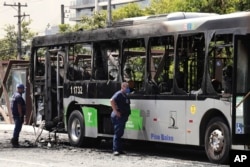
192 153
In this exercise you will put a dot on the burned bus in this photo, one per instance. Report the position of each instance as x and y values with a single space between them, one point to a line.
188 74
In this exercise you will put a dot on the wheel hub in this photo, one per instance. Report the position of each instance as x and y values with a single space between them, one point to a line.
76 129
216 140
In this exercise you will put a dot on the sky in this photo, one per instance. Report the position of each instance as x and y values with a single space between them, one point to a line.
41 12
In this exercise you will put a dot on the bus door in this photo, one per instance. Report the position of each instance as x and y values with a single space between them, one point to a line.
241 91
48 86
54 84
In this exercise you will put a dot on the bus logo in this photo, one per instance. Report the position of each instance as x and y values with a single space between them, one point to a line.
173 120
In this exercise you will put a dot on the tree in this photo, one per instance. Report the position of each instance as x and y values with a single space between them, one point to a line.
211 6
8 45
127 11
162 6
97 20
220 6
63 28
243 5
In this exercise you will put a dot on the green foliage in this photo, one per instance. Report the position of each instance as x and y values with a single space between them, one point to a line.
242 5
27 35
219 6
211 6
63 28
97 20
127 11
8 45
138 67
191 5
163 6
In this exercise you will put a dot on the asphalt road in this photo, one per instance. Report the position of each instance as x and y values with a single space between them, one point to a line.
60 154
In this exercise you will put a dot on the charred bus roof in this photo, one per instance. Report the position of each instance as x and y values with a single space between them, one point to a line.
192 22
161 17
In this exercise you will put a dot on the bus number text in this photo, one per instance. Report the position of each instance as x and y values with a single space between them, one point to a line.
76 90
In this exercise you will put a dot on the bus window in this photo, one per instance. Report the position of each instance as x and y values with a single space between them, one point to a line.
133 63
40 62
105 61
113 64
221 62
79 62
162 62
51 55
190 61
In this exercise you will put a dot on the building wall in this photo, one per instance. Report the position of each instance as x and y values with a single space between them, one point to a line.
86 7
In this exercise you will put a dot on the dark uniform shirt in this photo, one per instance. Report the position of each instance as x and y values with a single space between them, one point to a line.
123 103
17 99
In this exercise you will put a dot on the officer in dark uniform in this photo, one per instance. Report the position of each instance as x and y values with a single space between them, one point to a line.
121 110
18 108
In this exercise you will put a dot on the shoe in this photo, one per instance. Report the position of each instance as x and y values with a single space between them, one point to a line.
122 152
116 153
15 145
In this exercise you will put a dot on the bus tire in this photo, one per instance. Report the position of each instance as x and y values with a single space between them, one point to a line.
217 141
76 129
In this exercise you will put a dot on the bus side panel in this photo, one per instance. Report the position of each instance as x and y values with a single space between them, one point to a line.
163 121
194 112
197 111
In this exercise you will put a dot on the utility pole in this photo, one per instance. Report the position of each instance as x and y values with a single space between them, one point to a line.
19 38
62 14
109 22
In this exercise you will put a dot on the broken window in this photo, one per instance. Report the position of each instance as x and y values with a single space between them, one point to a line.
161 62
133 63
190 58
106 55
79 62
221 62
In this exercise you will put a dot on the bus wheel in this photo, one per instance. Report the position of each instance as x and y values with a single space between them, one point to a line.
76 129
217 141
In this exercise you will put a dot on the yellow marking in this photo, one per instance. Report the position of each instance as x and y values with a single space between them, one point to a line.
193 109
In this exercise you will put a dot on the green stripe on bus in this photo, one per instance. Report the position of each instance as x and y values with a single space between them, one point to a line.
90 116
135 120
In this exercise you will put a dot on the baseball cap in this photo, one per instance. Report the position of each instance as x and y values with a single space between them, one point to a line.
21 86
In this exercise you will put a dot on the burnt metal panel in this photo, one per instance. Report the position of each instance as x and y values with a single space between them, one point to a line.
236 20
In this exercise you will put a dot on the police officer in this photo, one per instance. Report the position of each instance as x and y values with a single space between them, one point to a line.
121 110
18 108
